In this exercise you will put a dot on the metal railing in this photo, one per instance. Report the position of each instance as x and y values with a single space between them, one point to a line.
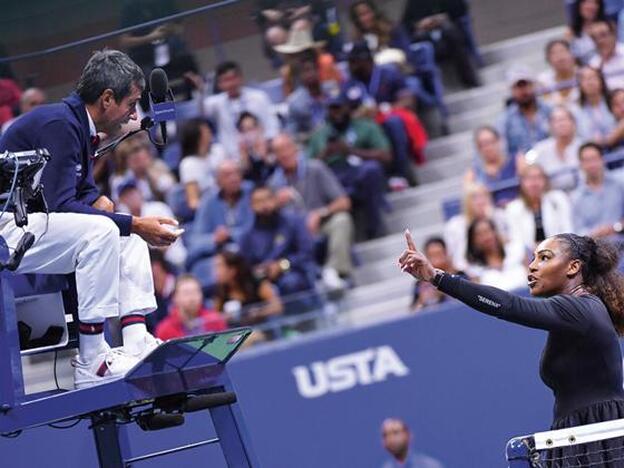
117 32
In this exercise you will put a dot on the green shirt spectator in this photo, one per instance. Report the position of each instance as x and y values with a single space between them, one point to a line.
360 133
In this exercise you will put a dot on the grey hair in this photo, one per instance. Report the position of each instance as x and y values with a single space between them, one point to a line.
109 69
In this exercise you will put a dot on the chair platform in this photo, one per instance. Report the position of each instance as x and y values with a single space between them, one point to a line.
180 366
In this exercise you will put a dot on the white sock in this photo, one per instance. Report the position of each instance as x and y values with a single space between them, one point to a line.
134 338
89 346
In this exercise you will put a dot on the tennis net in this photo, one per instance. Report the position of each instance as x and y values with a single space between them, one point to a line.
599 445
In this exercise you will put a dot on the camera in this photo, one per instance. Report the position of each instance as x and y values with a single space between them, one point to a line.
20 180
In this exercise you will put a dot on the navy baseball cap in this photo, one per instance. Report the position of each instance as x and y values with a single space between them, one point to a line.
358 51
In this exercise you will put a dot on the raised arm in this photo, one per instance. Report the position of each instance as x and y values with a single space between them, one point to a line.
559 313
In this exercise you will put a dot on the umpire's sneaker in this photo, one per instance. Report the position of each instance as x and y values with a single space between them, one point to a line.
109 365
150 344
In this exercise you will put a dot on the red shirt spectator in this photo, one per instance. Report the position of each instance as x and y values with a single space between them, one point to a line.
174 326
188 316
10 95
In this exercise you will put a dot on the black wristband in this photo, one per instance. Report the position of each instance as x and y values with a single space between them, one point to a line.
437 278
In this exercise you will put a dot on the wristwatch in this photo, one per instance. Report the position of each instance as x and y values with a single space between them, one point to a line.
618 227
437 277
284 264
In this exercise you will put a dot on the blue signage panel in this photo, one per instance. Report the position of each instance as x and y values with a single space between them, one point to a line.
463 382
163 111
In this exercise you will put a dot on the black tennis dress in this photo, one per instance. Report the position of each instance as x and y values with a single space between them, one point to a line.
581 362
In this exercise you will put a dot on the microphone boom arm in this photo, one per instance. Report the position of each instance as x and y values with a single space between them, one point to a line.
146 124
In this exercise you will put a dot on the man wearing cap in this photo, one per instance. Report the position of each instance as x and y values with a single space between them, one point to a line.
379 83
373 85
301 46
355 150
526 120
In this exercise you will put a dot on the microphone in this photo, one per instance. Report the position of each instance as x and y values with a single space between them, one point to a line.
161 110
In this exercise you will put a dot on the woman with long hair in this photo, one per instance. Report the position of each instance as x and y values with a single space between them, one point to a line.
538 212
390 43
240 295
593 115
491 260
581 306
477 203
584 13
372 25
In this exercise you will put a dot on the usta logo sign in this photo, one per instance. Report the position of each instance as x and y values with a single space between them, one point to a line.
341 373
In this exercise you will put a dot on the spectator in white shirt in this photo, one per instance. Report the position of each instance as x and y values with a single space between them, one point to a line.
200 159
558 155
610 55
491 260
477 204
225 108
538 212
131 201
559 81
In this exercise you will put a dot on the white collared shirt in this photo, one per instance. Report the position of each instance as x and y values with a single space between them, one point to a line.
92 129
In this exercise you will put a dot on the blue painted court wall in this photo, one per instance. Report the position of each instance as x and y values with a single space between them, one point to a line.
465 383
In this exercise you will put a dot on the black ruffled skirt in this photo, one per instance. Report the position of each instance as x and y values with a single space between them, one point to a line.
608 453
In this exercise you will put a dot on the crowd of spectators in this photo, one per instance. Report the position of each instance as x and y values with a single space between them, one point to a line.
273 195
541 169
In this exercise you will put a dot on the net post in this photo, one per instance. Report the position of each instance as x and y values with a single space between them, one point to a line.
518 452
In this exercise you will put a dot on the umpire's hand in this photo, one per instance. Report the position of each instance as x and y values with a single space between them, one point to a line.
156 230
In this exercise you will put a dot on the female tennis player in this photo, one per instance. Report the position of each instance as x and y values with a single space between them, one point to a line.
581 305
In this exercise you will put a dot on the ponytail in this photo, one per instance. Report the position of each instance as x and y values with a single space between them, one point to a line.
600 259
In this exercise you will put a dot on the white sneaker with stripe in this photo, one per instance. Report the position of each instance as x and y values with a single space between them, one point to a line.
110 364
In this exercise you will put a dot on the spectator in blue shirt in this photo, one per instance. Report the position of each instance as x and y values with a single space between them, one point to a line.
307 105
383 36
396 439
278 245
525 122
374 85
378 83
492 166
598 202
220 220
